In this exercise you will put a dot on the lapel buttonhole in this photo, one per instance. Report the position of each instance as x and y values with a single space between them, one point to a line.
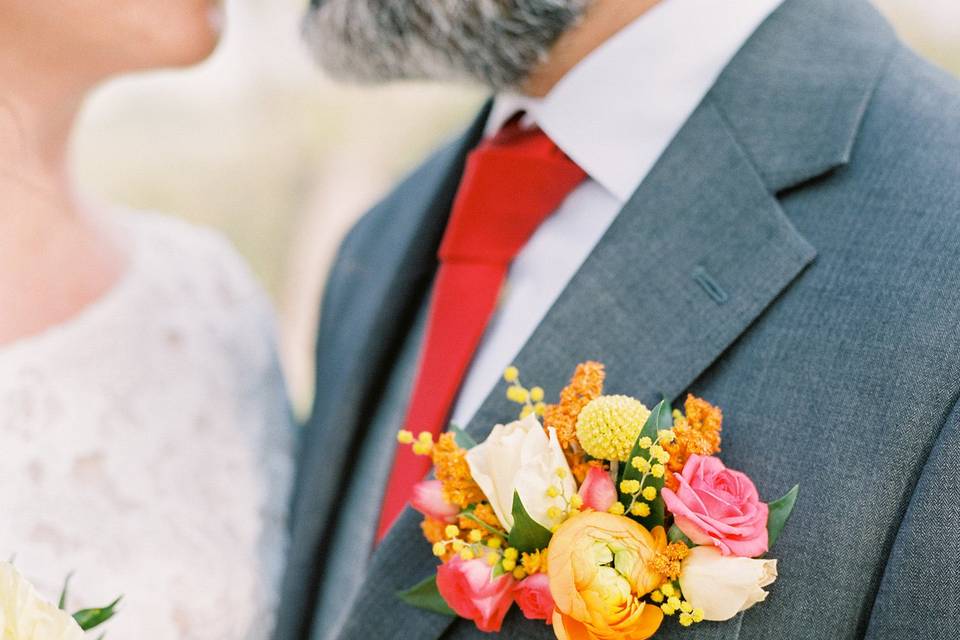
717 293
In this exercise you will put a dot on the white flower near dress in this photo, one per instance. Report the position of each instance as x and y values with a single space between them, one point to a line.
24 615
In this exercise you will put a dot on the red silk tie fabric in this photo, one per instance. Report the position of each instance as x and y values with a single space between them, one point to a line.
511 184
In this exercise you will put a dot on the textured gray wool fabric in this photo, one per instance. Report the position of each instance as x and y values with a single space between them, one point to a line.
794 258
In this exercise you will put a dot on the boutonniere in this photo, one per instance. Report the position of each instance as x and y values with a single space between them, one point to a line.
596 515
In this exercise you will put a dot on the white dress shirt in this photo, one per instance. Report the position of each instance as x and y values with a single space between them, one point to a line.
614 114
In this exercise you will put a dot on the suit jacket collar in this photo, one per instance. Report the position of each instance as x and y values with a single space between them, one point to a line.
616 111
795 94
700 251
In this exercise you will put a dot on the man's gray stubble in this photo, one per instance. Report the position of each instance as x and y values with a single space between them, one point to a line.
495 42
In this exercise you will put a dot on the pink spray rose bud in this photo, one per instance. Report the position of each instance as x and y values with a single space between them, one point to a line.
428 500
598 491
719 506
534 597
469 588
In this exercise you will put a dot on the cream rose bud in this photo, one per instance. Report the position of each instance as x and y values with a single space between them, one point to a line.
520 457
722 586
24 615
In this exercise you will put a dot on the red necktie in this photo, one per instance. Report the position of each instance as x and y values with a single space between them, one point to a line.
511 183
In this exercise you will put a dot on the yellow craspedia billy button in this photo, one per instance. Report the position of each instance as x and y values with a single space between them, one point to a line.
609 425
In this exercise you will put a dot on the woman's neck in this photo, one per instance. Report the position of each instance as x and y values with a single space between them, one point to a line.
55 257
37 113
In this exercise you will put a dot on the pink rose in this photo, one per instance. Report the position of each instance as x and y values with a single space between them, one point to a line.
598 491
534 597
471 591
719 506
428 500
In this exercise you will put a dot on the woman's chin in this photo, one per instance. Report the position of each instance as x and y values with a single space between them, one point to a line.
199 39
207 48
201 44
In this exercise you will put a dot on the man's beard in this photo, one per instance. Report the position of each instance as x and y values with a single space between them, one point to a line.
496 42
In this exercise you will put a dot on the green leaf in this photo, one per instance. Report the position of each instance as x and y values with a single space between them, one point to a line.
464 440
62 604
675 535
660 418
779 514
425 595
92 618
527 534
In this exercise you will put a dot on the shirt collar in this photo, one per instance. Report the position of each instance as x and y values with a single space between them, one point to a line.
615 112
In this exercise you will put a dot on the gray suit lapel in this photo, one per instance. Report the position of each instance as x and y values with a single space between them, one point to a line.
696 256
360 335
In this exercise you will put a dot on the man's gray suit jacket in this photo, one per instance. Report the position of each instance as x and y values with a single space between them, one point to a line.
794 257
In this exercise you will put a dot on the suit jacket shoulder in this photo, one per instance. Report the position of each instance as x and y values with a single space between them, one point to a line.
392 217
912 131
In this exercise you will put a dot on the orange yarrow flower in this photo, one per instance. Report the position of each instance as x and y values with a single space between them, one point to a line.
667 563
697 432
450 463
484 513
535 562
585 386
434 531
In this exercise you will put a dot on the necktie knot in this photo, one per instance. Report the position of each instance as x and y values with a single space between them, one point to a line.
511 183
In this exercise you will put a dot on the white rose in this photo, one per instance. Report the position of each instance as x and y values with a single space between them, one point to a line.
24 615
520 457
722 586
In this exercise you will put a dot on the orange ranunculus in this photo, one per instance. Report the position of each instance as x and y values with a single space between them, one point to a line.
599 570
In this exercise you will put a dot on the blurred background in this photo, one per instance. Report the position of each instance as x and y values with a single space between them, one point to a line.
258 144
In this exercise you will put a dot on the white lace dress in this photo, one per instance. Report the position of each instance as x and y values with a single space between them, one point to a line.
145 445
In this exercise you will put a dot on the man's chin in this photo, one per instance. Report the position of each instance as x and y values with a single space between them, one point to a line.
376 41
342 57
